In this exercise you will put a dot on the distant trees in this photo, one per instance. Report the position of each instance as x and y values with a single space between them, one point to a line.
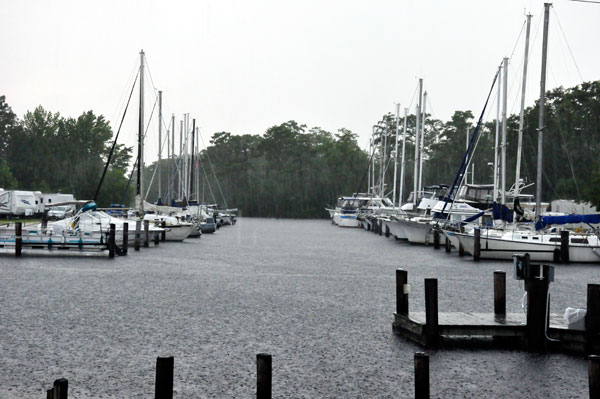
47 152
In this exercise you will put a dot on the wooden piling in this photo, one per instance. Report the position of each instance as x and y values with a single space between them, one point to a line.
138 226
156 239
421 375
448 245
146 233
387 231
461 250
111 241
264 370
18 238
477 245
379 227
564 246
592 316
432 329
163 234
594 376
60 389
537 296
44 221
401 292
164 378
500 293
436 239
50 393
125 238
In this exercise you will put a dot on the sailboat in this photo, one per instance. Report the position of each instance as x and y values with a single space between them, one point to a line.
542 241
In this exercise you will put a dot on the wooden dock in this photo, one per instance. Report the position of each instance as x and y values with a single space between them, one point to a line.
532 331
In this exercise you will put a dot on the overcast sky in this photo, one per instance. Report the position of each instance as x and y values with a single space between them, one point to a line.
243 66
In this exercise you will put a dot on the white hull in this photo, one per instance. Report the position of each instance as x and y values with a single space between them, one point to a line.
453 238
420 232
345 220
396 229
504 248
179 232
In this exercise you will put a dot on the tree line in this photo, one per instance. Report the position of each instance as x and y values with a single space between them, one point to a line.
295 171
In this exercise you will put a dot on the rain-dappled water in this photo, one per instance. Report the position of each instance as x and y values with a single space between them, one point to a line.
317 297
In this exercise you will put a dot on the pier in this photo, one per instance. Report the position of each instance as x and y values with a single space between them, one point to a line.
534 331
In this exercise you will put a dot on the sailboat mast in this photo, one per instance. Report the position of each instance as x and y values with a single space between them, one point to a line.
416 171
369 177
159 145
192 163
400 196
140 174
522 114
538 191
180 160
396 154
422 145
172 161
504 120
497 135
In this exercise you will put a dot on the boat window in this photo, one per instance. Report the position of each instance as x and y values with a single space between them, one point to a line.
535 238
554 239
579 241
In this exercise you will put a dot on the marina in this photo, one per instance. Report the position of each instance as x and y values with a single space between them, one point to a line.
319 299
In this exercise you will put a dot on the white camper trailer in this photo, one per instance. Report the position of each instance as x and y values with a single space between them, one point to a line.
46 201
18 203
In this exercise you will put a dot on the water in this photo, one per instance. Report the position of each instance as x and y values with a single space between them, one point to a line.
317 297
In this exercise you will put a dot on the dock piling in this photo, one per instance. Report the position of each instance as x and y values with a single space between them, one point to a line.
156 239
146 233
125 238
537 321
163 234
60 389
164 378
402 292
138 226
111 241
436 239
564 246
500 293
432 329
264 370
592 317
594 375
461 250
421 375
18 238
448 245
477 244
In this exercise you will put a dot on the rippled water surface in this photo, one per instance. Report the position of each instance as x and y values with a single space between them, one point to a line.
317 297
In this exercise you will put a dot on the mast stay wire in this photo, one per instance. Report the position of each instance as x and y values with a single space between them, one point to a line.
213 170
567 42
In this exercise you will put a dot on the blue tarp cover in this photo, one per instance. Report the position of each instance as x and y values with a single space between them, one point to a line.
502 212
591 219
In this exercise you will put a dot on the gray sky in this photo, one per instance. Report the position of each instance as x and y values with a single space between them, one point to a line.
243 66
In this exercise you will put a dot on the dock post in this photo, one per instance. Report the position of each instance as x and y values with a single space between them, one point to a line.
60 389
432 331
387 231
163 234
461 250
380 227
264 372
156 239
45 221
477 244
448 245
592 317
499 293
18 238
421 375
125 237
138 226
537 295
564 246
401 292
146 233
164 378
436 239
594 375
50 393
111 241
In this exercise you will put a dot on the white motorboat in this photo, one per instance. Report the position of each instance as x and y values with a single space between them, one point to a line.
176 230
